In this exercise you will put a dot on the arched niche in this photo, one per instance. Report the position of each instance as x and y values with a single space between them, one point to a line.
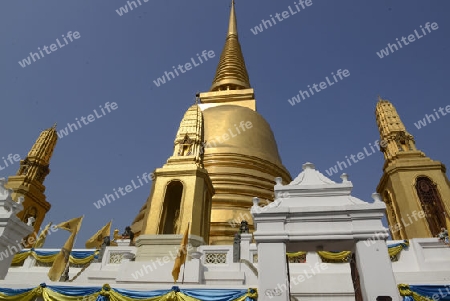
171 214
431 203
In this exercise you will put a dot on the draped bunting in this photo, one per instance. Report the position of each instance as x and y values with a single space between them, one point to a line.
424 292
83 257
76 257
344 256
395 249
106 293
295 254
335 256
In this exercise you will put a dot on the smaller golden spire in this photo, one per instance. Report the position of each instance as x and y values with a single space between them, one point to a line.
29 180
388 119
42 150
394 138
231 72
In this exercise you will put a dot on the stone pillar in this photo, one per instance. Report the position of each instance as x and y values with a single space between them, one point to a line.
375 270
237 248
245 246
12 229
272 272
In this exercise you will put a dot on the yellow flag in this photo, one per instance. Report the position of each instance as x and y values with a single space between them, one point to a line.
97 239
41 239
181 256
62 259
447 222
70 225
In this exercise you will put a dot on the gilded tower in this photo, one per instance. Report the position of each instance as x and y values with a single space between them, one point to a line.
29 180
182 190
240 152
414 187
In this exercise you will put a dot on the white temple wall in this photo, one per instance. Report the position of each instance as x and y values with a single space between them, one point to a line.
426 261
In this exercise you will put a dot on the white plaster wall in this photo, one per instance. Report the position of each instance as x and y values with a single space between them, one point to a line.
426 261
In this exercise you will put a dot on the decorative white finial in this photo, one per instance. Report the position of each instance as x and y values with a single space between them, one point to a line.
376 197
308 165
344 177
256 202
31 221
279 181
3 190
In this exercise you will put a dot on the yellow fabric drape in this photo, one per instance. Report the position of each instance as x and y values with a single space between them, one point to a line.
19 257
50 258
295 254
335 257
345 255
394 251
405 291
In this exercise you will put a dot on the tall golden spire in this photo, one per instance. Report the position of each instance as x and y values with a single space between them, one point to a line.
394 137
231 72
29 180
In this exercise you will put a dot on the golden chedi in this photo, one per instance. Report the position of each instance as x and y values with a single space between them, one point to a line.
238 149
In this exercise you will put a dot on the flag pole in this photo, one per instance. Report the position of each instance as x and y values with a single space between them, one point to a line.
68 261
184 264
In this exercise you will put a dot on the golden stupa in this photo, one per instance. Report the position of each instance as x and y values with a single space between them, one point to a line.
240 153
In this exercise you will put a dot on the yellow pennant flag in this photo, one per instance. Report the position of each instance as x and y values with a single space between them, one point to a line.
62 259
41 239
181 256
71 225
97 239
447 221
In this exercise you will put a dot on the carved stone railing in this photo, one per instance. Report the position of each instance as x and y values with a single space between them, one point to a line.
216 255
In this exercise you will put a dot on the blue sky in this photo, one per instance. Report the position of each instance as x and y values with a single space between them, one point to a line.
116 58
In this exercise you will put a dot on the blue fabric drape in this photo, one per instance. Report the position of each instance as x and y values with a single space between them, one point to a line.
141 294
442 291
12 291
214 295
74 291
